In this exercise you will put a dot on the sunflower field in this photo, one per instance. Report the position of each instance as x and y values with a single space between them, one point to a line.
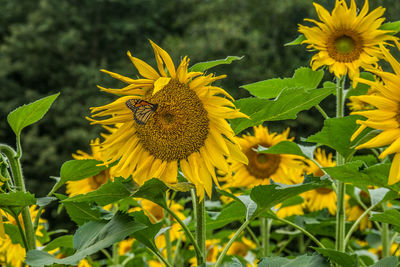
192 160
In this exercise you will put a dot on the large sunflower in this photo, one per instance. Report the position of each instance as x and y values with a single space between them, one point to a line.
386 116
345 40
262 168
186 125
91 183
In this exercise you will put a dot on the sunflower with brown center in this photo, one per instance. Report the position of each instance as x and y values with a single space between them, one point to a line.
385 116
91 183
262 168
186 127
323 197
345 40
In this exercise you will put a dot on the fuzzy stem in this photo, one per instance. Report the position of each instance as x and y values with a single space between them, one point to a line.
323 113
341 187
265 235
201 229
18 178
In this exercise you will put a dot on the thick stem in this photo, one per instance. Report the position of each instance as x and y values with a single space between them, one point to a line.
265 235
341 187
302 248
201 229
323 113
16 170
385 240
115 254
167 234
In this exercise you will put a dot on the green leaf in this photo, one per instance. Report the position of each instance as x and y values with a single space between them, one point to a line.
146 236
381 194
303 77
333 128
203 66
29 114
13 232
90 238
17 199
109 192
65 241
391 26
387 262
301 261
390 216
74 170
249 204
286 106
343 259
153 190
44 201
267 196
288 147
234 211
297 41
82 212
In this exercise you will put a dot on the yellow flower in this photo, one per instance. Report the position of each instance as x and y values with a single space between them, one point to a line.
323 197
357 105
354 212
84 263
287 211
262 168
186 125
345 40
15 253
91 183
386 115
378 251
242 247
213 248
125 246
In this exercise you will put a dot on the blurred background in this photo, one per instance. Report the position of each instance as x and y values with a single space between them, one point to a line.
49 46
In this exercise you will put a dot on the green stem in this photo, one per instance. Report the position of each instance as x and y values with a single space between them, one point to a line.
385 240
356 223
323 113
304 231
115 254
167 235
187 231
253 236
341 187
21 231
226 248
105 252
302 248
201 229
265 235
177 248
16 170
161 258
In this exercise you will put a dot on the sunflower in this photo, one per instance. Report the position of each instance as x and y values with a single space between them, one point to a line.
323 197
242 247
262 168
354 212
178 118
345 40
91 183
385 116
283 212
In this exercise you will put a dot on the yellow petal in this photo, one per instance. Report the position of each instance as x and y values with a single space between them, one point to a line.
160 83
2 232
394 175
144 69
166 58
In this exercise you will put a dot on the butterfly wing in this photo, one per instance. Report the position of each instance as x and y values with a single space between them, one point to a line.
142 110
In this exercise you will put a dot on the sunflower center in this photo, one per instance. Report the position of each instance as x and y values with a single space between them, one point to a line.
323 190
262 165
345 46
180 125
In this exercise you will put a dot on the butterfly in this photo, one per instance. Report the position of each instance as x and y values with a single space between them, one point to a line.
142 110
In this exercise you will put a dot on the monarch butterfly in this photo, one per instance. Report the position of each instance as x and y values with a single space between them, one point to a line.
141 109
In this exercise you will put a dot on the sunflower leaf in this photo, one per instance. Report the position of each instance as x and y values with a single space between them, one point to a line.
300 261
28 114
390 216
17 199
334 128
343 259
90 238
387 262
74 170
153 190
394 27
296 41
286 106
109 192
303 78
146 236
288 147
203 66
